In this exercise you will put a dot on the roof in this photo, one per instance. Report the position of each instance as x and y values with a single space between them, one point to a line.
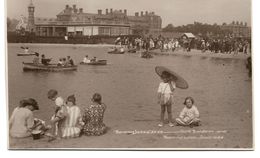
189 35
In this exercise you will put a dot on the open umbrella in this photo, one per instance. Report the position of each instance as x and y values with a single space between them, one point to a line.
180 82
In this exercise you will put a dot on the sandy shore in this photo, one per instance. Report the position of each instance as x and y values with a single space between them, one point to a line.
133 120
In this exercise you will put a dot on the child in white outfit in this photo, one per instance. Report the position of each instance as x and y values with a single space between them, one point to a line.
165 96
189 116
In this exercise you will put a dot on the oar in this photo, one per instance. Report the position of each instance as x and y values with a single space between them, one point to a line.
22 47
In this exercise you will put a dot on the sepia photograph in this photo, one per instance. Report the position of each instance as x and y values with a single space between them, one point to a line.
129 75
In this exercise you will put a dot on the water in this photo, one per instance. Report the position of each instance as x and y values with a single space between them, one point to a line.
128 85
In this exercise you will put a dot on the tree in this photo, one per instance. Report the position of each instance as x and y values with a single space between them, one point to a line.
168 28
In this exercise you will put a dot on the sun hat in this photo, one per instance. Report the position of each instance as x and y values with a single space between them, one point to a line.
52 93
180 82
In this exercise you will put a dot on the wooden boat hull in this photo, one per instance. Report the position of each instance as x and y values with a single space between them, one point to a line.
99 62
27 54
51 67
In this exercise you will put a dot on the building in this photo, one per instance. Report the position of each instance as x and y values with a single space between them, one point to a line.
237 29
74 21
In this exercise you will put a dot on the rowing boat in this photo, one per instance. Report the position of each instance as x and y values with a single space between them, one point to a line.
98 62
25 54
50 67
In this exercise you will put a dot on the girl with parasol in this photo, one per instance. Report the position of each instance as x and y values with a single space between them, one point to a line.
170 80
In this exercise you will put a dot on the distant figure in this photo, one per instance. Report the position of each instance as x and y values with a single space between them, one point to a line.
94 59
36 59
86 59
249 66
69 61
73 123
45 61
60 62
26 50
93 117
66 37
189 116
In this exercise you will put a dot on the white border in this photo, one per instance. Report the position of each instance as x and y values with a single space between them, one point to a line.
3 116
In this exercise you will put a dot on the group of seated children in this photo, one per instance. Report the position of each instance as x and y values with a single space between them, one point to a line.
189 116
87 60
68 121
65 62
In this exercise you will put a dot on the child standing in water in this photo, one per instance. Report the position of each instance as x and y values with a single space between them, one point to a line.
189 116
165 96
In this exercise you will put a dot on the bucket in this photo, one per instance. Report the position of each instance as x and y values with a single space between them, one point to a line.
36 134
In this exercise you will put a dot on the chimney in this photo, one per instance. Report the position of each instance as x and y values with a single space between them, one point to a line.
80 10
106 11
99 12
245 23
241 23
146 12
67 7
111 10
75 9
136 14
120 10
142 13
153 13
125 12
237 23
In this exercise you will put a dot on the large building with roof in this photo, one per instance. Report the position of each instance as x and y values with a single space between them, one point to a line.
73 21
237 29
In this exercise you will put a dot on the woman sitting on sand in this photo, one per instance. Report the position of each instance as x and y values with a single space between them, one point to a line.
22 121
93 117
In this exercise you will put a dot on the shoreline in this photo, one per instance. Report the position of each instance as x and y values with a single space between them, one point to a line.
157 52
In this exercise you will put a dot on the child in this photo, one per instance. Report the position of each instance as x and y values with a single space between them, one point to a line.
59 116
189 116
73 123
86 59
165 96
93 117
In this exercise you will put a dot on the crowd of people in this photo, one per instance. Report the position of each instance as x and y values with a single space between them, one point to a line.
225 45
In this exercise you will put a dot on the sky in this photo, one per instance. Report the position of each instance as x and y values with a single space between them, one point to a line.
176 12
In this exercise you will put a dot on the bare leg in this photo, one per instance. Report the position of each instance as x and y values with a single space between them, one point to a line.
162 113
169 111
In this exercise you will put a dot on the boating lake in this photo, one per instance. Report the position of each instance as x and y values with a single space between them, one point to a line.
128 84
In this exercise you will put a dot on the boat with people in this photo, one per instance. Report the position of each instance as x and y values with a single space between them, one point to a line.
98 62
49 67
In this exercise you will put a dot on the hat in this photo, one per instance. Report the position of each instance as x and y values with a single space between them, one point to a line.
52 93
